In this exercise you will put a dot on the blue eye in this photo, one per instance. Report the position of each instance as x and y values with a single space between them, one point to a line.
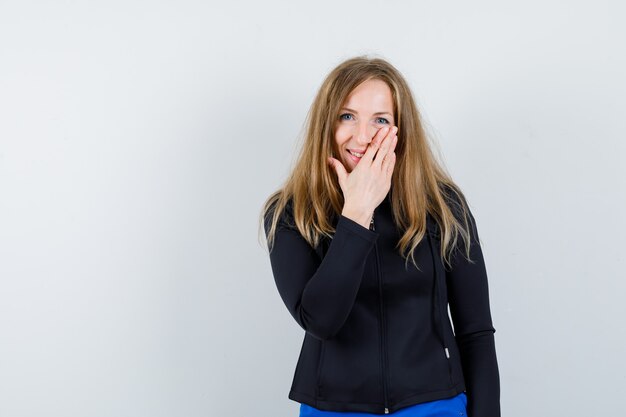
380 120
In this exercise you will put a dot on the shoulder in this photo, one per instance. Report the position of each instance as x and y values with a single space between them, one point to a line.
285 216
456 202
452 194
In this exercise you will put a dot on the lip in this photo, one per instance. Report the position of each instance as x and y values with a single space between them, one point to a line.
358 150
354 158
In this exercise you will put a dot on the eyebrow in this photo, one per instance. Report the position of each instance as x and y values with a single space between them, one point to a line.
377 113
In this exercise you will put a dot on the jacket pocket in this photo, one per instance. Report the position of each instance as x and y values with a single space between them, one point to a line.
455 358
350 373
320 364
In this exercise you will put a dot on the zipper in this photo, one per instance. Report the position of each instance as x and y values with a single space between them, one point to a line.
382 319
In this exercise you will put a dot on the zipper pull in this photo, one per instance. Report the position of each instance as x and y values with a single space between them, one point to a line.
447 353
386 410
372 224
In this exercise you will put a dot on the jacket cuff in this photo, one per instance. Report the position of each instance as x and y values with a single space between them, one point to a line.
356 228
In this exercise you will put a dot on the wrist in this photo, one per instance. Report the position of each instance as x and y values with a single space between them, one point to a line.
362 217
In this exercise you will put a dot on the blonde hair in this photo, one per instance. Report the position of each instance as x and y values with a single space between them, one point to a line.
420 184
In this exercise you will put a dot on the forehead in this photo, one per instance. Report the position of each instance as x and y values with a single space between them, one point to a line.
371 94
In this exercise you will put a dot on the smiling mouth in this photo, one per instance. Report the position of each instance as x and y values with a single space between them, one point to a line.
353 157
356 154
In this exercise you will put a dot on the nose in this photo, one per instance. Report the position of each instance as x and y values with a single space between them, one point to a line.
364 133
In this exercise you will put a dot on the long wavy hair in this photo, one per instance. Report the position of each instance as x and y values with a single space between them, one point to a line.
419 183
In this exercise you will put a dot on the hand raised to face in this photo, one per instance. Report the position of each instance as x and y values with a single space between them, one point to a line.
367 185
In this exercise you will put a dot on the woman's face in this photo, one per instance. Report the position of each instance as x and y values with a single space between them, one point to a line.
368 108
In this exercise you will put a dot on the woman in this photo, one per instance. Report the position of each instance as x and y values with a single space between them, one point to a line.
369 241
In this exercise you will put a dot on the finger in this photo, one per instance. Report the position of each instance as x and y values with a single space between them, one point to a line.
339 169
374 144
386 160
385 147
389 164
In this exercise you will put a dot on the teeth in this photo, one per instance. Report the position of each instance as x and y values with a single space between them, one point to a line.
358 155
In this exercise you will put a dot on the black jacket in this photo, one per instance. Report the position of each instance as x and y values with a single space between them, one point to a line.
378 336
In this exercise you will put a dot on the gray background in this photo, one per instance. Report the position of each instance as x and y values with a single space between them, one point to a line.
139 139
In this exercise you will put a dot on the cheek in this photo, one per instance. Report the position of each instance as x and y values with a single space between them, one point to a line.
341 135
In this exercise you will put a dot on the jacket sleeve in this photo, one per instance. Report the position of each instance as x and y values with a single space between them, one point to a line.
468 295
319 294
